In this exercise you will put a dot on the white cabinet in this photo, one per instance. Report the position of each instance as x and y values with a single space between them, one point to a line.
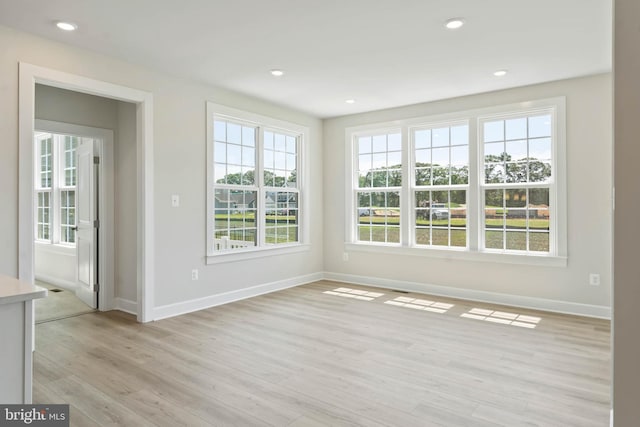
16 339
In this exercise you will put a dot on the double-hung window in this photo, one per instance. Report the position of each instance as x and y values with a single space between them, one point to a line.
255 183
379 183
480 182
517 181
440 170
55 188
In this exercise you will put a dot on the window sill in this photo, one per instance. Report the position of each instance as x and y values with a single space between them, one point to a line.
234 256
462 254
56 248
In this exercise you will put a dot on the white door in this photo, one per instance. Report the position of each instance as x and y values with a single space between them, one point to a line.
87 224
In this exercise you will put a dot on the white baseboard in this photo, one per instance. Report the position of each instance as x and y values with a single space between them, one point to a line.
564 307
126 305
61 283
176 309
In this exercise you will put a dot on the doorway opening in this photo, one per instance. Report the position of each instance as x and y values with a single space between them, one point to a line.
73 218
141 186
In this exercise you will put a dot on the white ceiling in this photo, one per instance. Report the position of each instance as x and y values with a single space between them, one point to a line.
382 53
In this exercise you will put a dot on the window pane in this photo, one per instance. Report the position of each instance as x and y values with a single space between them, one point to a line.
394 142
460 155
248 156
540 149
440 237
379 143
219 130
458 238
378 216
234 154
516 198
437 214
494 131
539 242
220 152
280 162
394 158
516 172
459 175
460 135
440 156
423 157
67 216
364 145
423 176
539 171
516 241
280 142
494 239
517 150
516 128
493 152
44 216
234 133
268 140
422 138
248 136
234 212
540 126
440 137
68 157
423 236
494 173
46 167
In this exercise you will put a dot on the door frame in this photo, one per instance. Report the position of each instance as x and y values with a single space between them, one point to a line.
29 76
105 199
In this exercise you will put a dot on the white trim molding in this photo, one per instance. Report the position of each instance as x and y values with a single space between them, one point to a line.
554 306
190 306
125 305
29 76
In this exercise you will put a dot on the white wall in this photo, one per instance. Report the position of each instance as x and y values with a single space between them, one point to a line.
179 168
125 200
589 153
626 303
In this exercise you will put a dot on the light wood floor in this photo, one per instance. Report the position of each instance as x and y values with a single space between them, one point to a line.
301 357
58 305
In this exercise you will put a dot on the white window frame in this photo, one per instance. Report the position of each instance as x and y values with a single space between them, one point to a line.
557 255
262 123
55 190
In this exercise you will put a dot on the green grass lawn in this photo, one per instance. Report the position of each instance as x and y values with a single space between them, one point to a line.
515 240
538 242
516 224
250 217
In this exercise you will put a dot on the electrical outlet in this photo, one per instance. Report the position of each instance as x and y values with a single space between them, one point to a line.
194 274
594 279
345 256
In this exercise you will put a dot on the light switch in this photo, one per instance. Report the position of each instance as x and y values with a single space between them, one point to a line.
175 200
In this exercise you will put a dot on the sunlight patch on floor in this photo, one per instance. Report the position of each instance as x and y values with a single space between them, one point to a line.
502 317
420 304
354 293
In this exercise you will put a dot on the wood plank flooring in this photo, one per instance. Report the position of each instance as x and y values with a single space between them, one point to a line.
302 357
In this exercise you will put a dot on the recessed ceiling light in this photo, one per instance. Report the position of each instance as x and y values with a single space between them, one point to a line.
500 73
454 23
350 101
277 73
66 26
